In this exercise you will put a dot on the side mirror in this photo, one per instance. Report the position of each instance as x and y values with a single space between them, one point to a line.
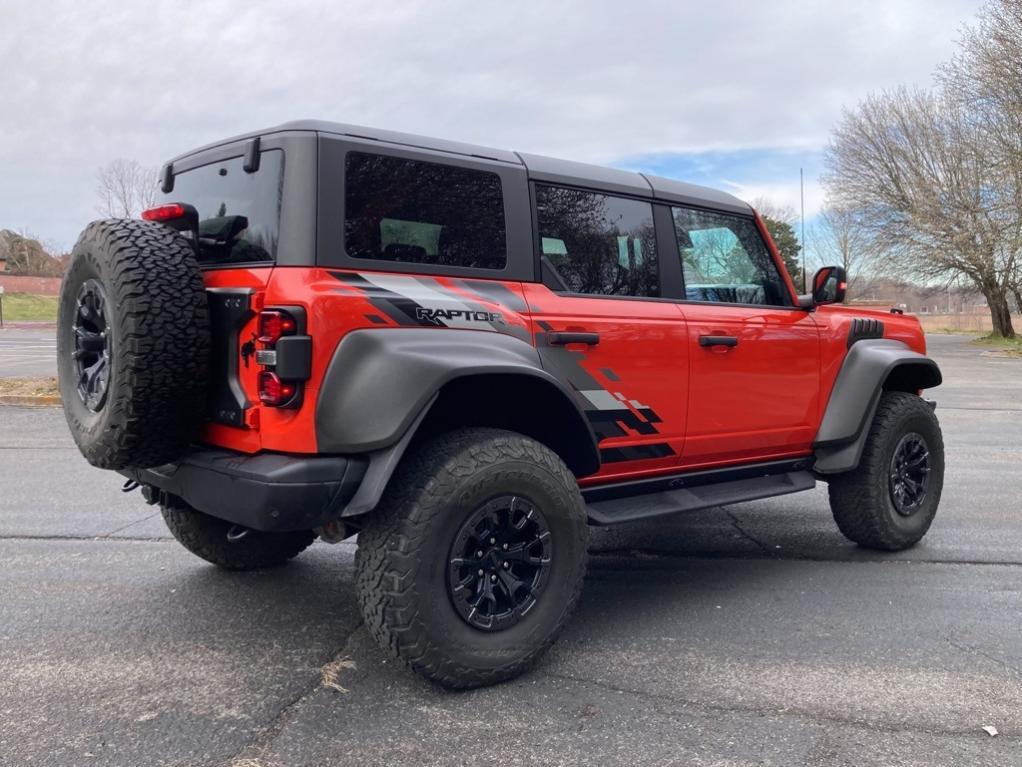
829 286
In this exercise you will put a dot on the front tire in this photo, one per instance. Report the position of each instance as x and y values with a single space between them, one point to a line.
474 559
889 501
206 537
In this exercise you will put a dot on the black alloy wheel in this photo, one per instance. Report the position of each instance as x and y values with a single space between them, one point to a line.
91 345
499 563
909 477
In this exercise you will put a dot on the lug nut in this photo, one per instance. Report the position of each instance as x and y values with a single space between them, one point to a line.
480 572
507 565
479 554
493 541
505 547
493 578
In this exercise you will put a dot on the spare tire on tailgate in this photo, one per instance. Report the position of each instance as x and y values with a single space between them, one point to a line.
132 344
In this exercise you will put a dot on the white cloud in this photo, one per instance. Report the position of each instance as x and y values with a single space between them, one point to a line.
782 195
84 83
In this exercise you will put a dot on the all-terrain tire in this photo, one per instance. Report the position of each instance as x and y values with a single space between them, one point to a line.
206 537
156 341
406 545
862 500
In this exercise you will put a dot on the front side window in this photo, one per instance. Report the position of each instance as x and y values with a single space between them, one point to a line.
408 211
598 244
239 212
725 260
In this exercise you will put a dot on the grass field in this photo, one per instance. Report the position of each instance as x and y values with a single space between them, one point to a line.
23 307
1009 346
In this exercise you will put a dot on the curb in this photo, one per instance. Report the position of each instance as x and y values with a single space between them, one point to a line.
43 400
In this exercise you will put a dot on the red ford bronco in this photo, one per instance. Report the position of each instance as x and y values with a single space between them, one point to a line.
466 356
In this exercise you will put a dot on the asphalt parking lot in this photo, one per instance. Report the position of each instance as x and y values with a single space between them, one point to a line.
749 636
27 352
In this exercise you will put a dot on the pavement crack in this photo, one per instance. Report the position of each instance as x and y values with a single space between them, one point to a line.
774 556
745 534
961 646
254 751
662 701
132 524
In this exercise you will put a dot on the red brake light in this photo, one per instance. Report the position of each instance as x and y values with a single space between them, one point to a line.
273 324
273 391
167 212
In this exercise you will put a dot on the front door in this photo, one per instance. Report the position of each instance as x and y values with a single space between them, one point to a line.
601 329
754 357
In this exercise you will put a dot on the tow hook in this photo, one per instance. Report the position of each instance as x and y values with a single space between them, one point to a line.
149 493
237 533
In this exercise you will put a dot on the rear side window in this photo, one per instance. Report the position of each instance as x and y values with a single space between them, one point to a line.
239 212
410 211
725 260
597 243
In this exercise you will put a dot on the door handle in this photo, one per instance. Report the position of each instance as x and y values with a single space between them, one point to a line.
561 337
718 341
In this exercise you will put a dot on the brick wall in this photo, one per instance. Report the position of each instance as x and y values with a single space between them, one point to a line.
46 286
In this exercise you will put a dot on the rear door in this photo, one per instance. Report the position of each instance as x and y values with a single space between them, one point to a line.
754 357
602 328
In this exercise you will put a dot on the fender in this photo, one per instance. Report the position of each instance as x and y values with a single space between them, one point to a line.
381 383
870 367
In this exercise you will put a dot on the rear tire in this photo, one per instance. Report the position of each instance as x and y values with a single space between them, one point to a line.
206 537
132 344
466 490
889 501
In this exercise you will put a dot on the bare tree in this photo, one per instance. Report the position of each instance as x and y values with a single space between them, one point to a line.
840 236
986 76
918 167
125 188
778 212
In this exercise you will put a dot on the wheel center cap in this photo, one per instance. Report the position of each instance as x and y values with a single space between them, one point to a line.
492 559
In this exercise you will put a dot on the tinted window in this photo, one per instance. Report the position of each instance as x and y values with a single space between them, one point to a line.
239 212
422 213
725 260
597 244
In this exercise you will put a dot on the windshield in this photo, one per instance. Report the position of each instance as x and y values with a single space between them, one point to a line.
239 212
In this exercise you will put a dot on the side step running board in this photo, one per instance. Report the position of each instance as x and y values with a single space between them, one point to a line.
629 509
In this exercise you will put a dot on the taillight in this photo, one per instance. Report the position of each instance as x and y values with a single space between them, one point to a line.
273 324
274 392
284 356
167 212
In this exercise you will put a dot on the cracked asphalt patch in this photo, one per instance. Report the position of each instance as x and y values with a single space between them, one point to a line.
751 636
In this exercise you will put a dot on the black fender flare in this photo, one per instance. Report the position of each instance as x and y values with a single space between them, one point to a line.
381 383
870 367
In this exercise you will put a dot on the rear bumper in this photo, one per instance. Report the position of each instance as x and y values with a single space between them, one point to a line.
271 492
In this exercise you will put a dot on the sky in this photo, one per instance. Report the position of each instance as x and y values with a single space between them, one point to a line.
734 95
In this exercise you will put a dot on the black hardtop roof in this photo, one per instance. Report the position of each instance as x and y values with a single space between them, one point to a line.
539 168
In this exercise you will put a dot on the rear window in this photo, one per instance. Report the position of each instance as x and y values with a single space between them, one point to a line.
239 212
408 211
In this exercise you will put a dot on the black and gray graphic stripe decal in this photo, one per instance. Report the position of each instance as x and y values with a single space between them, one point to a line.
400 308
610 413
635 452
424 302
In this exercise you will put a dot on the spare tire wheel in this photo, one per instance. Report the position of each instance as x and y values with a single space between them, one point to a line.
132 344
